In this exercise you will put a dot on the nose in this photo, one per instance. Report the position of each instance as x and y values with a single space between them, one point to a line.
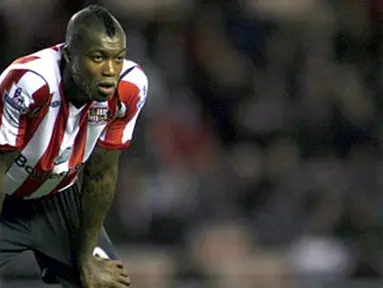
109 69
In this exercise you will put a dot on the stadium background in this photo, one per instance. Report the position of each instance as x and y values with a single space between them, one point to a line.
257 159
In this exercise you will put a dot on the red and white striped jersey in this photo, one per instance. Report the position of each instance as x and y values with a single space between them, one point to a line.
54 137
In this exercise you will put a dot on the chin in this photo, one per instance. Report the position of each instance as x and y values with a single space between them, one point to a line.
102 97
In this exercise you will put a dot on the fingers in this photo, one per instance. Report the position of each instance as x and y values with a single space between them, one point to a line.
121 285
110 263
115 271
117 266
119 273
117 263
122 282
124 273
125 281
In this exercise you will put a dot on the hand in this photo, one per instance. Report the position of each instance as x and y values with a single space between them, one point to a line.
104 273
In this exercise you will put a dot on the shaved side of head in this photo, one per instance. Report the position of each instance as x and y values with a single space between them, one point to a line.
91 20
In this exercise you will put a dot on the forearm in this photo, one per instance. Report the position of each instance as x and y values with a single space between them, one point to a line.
98 186
96 200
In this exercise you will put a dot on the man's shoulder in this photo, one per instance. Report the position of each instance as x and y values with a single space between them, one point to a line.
133 74
133 84
132 68
43 64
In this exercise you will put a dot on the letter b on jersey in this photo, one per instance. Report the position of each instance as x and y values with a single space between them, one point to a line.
21 161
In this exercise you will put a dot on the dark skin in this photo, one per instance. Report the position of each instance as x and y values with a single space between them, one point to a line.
91 72
99 180
95 63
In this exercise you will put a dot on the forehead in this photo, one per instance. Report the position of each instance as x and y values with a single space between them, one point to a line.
96 39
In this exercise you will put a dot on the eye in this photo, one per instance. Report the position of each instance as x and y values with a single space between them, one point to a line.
120 59
97 58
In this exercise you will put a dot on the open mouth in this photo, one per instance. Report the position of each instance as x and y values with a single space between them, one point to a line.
106 88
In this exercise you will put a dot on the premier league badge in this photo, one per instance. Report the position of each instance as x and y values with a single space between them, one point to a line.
16 99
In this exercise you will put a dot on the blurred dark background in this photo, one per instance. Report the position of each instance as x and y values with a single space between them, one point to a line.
257 159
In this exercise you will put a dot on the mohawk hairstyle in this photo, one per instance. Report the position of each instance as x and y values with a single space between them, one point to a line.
87 18
105 17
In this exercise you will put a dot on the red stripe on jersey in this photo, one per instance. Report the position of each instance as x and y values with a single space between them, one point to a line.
25 59
107 146
7 148
45 163
13 76
39 109
21 135
128 94
80 142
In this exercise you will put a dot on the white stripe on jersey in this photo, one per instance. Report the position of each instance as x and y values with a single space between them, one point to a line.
8 135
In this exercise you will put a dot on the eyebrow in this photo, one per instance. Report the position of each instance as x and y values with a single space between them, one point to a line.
103 51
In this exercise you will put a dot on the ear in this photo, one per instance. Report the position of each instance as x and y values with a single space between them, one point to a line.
66 54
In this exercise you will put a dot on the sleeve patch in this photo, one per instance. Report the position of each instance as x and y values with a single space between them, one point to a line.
18 99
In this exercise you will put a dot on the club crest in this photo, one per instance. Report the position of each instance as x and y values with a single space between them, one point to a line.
98 115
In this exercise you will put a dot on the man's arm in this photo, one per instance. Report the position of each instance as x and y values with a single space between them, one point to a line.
6 159
98 186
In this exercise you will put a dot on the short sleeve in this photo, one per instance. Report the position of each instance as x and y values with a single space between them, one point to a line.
132 91
17 90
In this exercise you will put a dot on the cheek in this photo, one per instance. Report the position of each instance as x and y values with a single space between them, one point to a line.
81 74
120 66
76 72
90 72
